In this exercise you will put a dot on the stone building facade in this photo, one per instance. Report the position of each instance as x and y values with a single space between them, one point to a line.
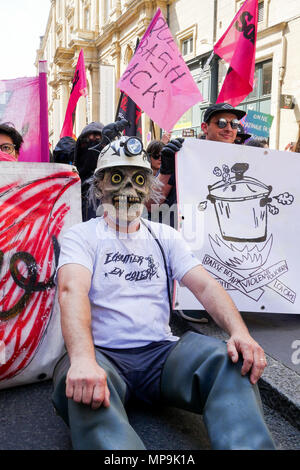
107 31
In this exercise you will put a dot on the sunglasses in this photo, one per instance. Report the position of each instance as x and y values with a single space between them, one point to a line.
155 156
222 123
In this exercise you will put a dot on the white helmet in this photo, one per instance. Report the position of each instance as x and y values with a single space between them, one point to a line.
126 151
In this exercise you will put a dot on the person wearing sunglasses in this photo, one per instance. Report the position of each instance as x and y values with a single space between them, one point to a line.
221 122
10 142
154 151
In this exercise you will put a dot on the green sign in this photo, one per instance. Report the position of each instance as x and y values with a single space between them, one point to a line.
257 123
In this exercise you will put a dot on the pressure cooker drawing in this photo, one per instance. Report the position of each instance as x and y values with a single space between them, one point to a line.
241 206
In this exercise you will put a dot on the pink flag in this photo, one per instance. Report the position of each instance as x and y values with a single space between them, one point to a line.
20 106
157 79
79 89
237 47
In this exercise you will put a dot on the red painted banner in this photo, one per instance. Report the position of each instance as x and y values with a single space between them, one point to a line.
32 217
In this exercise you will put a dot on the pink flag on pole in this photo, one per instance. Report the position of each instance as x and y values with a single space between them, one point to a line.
79 89
20 105
237 47
157 79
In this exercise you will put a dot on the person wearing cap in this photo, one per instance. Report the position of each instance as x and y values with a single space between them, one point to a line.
220 122
241 136
85 161
113 275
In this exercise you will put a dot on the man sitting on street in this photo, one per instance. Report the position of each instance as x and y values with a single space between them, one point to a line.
113 275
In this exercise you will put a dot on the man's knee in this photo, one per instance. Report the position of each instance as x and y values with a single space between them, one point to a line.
116 385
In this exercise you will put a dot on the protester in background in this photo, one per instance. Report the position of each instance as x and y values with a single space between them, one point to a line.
64 150
289 147
201 136
10 142
220 122
85 161
296 145
257 143
154 151
241 136
166 137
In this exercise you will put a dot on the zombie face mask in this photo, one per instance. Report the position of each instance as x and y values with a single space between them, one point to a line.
124 190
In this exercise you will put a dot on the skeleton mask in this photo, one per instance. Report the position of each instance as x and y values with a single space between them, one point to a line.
124 190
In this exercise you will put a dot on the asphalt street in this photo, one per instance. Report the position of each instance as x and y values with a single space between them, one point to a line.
28 421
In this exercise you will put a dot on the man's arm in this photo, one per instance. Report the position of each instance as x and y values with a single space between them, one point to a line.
86 380
221 308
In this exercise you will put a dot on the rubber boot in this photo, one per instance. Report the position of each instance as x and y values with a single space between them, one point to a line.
101 429
199 376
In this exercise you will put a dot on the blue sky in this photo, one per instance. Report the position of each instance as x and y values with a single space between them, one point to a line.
22 24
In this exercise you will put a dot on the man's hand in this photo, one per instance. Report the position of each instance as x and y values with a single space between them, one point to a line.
254 359
87 383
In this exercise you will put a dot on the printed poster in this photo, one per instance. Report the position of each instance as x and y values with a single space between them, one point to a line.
239 210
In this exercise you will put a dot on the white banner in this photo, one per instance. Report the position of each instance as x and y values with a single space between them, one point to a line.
245 201
38 202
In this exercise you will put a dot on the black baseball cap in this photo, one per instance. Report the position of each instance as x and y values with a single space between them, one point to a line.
222 107
242 134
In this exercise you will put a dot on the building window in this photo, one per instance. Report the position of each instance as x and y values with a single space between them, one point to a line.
187 46
261 10
260 98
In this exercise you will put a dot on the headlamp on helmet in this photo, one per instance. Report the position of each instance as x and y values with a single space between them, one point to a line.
132 146
126 151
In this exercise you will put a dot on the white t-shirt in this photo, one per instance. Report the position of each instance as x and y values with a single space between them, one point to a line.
128 294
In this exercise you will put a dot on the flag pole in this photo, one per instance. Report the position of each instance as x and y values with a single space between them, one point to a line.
207 64
87 109
152 127
122 92
118 107
44 130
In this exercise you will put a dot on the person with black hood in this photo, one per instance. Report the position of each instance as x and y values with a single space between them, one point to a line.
64 150
85 161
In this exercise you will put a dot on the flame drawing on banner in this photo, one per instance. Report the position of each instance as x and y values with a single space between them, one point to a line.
241 258
241 204
32 218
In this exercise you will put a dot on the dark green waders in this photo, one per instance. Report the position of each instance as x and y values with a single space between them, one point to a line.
198 376
101 429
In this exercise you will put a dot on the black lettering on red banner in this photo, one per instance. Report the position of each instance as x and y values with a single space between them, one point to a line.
75 80
248 30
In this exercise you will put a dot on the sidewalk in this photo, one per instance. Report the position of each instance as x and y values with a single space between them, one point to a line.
280 382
